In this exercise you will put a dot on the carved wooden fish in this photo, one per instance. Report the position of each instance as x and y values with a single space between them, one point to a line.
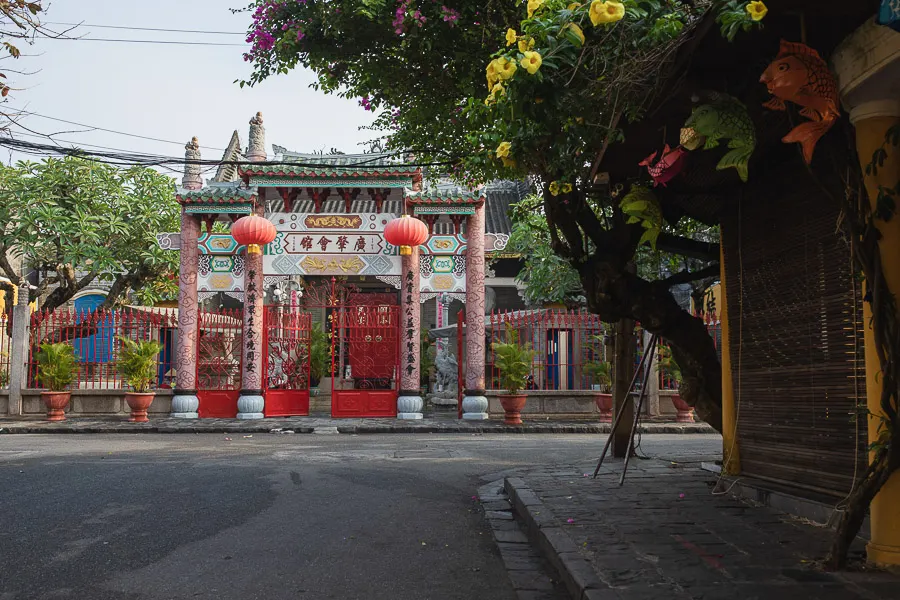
724 117
641 206
799 75
668 166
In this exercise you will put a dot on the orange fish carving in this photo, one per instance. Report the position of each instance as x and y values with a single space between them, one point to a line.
799 75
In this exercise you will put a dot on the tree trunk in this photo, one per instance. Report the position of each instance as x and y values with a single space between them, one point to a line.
614 294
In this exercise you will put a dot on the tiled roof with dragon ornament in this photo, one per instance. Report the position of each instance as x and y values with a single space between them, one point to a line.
332 166
217 194
445 196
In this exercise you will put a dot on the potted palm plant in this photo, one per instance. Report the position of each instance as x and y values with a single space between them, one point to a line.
137 364
600 373
514 362
319 354
56 370
684 412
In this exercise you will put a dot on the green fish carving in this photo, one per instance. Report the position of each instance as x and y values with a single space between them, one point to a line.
724 117
641 206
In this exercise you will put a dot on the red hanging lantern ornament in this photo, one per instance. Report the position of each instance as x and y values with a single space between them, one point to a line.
253 231
406 232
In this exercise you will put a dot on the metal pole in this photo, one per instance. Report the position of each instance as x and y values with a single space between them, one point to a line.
621 412
637 413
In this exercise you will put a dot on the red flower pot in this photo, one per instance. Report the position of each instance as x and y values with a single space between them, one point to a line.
685 412
139 403
604 405
512 405
56 403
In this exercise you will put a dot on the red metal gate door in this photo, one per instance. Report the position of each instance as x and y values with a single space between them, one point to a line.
219 345
365 361
287 351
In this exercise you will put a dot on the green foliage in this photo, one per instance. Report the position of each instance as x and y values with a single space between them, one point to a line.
600 373
666 364
137 363
427 355
57 366
547 277
81 221
319 354
4 371
513 360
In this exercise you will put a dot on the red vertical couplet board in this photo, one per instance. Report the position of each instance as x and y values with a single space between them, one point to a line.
366 365
287 348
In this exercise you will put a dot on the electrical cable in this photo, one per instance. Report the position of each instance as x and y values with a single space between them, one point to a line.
143 28
170 42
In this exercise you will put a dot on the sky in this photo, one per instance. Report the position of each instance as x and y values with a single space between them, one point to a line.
170 92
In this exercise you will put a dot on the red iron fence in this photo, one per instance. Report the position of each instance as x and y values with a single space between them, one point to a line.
96 339
5 348
564 342
219 357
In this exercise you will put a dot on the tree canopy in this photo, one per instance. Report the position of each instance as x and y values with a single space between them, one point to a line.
78 222
542 88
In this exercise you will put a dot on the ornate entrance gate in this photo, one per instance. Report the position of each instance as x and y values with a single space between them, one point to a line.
287 361
219 362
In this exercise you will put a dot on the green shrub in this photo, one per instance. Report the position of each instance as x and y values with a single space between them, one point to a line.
514 361
57 366
137 363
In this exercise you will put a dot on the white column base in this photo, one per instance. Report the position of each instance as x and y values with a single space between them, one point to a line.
409 407
251 407
185 407
475 408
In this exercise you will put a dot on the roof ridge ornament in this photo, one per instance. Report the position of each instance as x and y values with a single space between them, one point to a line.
256 148
192 179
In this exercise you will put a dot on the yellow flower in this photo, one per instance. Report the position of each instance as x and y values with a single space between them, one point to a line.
511 37
579 120
566 188
757 10
496 92
505 68
606 12
526 45
492 75
531 62
577 32
508 162
503 149
554 188
538 100
573 6
533 6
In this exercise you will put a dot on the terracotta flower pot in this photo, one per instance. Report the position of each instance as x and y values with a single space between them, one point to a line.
685 412
139 403
56 403
604 405
512 405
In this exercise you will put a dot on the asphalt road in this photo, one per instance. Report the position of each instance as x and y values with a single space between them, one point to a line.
148 517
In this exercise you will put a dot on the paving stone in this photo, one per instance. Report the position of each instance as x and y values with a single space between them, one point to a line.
502 515
511 537
530 580
501 505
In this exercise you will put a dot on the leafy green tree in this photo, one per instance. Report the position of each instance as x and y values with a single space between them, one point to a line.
542 89
77 222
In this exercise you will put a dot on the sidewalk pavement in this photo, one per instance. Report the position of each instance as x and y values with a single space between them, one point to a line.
670 533
120 424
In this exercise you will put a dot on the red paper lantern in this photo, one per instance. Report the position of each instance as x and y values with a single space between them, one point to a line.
253 231
406 232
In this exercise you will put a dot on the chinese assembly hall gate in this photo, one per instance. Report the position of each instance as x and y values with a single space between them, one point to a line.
338 279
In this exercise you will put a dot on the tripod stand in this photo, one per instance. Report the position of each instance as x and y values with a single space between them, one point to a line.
643 366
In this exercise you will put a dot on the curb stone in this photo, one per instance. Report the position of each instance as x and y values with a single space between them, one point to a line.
559 549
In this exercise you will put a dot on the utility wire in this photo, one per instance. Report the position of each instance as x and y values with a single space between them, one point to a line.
145 28
86 39
134 135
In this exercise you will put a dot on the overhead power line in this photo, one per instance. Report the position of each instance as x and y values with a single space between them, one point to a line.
144 28
172 42
134 135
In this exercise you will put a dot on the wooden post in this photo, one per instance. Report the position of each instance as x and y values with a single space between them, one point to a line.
624 371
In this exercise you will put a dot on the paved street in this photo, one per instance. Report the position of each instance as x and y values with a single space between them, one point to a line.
267 516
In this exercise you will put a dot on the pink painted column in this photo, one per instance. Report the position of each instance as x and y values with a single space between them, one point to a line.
409 403
251 403
185 402
475 403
